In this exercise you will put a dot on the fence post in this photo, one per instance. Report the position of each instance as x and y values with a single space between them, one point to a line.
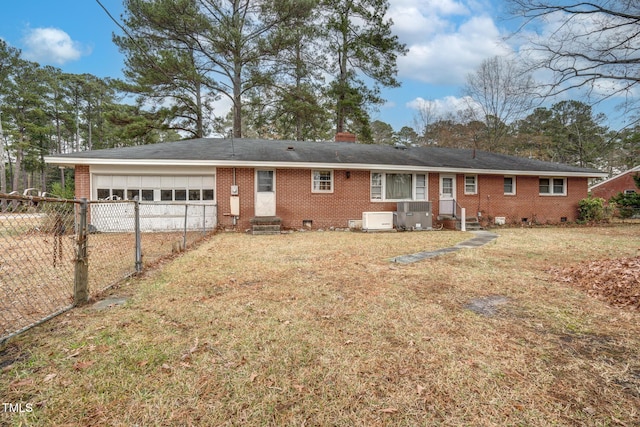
463 219
136 215
81 279
184 238
204 219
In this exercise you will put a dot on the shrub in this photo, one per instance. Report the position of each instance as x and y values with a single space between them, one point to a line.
591 209
627 204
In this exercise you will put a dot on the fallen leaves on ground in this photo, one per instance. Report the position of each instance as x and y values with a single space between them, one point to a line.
616 281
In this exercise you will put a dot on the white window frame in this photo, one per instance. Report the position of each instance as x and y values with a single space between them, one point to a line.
513 185
552 185
475 184
316 182
380 186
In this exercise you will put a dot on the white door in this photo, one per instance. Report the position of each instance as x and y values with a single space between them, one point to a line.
265 193
447 194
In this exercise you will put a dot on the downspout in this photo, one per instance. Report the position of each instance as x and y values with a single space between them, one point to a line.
234 184
234 219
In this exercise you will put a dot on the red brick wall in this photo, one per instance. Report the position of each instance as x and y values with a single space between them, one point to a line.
294 200
491 201
246 188
615 186
296 203
83 182
351 196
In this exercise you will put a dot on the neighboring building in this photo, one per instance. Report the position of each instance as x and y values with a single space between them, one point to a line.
622 183
329 184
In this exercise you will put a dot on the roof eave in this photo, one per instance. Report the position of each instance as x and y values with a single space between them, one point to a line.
72 161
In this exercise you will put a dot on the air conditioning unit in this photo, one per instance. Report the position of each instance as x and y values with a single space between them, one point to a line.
414 207
373 221
413 216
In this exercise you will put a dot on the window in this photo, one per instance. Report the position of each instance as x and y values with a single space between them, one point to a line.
117 194
447 187
322 181
421 187
155 187
103 193
207 194
470 184
376 186
166 195
509 185
558 186
133 194
553 186
265 181
398 186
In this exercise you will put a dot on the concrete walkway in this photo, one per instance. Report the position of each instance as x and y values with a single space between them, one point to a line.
482 238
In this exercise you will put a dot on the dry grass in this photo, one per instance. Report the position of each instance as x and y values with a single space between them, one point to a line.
321 329
37 269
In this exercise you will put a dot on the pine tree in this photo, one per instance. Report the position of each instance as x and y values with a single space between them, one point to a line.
361 46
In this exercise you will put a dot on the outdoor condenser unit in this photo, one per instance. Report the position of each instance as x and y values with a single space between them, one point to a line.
413 216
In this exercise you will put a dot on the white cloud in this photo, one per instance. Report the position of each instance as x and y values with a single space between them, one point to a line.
447 57
446 39
51 45
416 20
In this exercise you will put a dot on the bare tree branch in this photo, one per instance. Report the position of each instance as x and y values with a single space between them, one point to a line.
586 45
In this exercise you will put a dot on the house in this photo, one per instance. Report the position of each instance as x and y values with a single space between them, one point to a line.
330 184
621 183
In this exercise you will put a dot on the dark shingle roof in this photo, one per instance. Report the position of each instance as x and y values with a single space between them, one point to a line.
256 150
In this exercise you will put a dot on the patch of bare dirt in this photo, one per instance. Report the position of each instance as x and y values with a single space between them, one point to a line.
616 281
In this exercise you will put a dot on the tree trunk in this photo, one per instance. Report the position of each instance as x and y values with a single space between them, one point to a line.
237 101
199 125
17 170
3 168
344 50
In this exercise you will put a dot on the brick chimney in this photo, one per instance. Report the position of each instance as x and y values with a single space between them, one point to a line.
345 137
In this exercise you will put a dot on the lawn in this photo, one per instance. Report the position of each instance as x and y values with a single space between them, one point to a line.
320 328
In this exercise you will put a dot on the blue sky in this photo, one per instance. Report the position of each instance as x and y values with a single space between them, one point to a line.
447 39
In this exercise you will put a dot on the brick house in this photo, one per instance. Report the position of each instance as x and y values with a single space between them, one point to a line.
330 184
621 183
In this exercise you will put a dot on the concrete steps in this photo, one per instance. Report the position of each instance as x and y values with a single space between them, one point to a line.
452 223
265 225
471 224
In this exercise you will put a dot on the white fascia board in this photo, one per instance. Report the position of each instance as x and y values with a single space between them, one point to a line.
526 173
72 161
67 161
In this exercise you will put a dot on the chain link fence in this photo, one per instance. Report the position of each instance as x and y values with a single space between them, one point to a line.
55 253
127 235
38 243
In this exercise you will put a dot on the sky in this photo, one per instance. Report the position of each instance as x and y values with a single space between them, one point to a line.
446 40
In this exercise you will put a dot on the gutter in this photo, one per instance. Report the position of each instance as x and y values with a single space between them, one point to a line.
71 162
